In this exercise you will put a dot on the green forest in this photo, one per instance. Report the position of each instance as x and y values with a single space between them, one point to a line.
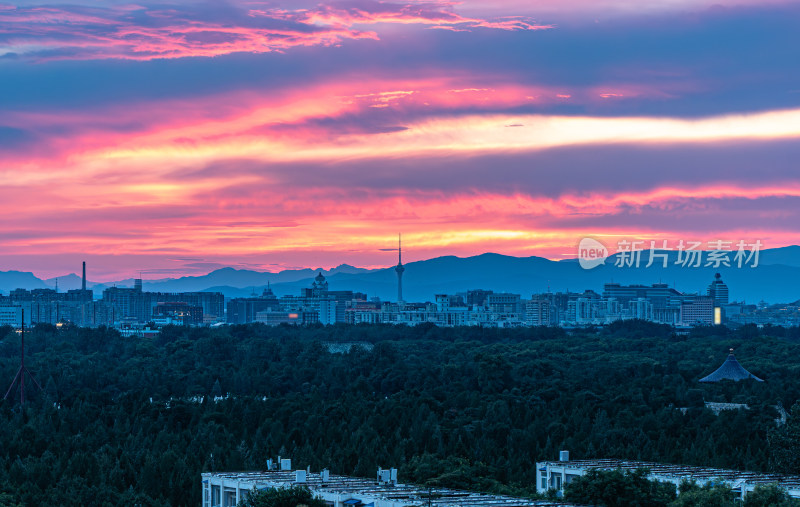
135 421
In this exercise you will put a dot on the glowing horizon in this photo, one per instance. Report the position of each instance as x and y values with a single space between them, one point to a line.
176 139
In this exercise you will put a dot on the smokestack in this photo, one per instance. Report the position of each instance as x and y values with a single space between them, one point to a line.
83 280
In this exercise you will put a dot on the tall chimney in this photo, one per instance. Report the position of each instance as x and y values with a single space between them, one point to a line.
83 280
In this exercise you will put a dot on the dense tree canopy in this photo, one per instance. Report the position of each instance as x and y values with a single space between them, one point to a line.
769 495
708 495
297 496
130 421
619 489
784 441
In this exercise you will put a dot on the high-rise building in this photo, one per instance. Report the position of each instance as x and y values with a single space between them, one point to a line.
50 306
137 305
718 290
244 310
665 301
504 303
179 312
12 316
475 297
641 309
697 310
537 312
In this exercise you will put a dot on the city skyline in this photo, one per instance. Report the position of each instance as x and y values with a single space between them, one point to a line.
182 137
770 277
678 262
142 311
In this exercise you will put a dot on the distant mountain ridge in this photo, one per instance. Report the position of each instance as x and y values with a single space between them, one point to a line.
777 279
239 278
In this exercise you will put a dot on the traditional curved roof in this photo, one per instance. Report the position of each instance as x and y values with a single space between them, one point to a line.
730 370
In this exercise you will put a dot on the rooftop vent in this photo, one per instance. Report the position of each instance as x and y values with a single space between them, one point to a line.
563 456
387 476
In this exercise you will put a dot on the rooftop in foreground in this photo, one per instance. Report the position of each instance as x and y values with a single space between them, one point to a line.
556 474
226 489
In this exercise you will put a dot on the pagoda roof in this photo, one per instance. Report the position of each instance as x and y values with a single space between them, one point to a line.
730 370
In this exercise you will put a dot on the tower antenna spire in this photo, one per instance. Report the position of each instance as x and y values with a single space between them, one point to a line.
399 269
20 376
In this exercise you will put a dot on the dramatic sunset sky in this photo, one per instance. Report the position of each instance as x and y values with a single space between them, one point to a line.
173 138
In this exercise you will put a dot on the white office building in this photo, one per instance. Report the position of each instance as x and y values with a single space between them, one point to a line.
11 315
557 474
221 489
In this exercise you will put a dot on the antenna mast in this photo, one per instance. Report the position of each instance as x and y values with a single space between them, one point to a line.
399 269
20 376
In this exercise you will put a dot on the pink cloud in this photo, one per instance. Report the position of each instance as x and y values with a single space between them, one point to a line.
259 220
241 174
439 14
77 37
139 33
333 110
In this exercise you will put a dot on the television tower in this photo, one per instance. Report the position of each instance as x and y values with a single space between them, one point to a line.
399 269
20 376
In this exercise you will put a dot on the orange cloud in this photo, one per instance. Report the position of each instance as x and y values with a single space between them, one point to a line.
439 14
259 219
245 179
275 123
